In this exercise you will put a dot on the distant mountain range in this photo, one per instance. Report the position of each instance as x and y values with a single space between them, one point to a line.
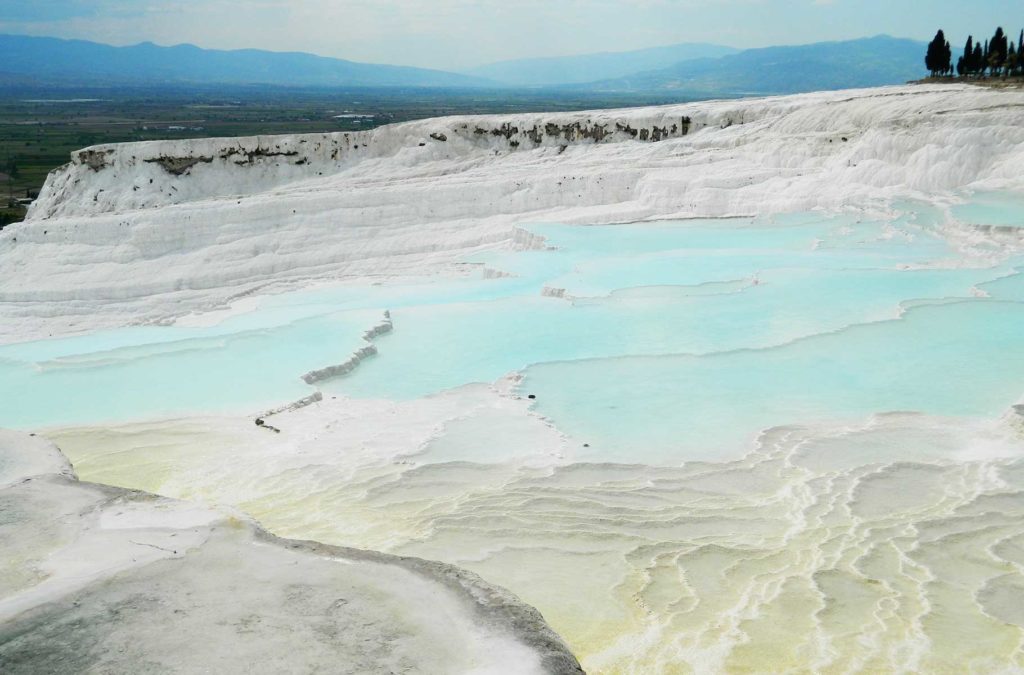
685 70
594 67
80 62
867 62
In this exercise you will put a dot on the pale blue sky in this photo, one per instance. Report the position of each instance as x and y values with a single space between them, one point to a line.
456 34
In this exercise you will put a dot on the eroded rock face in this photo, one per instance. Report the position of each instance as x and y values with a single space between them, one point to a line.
176 166
203 168
180 165
252 156
94 576
94 159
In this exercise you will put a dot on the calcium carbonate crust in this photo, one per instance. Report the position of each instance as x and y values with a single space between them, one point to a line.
145 232
93 567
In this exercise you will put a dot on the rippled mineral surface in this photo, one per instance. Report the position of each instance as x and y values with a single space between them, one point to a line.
742 395
712 444
100 579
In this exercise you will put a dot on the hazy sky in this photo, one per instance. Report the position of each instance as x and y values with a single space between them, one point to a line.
456 34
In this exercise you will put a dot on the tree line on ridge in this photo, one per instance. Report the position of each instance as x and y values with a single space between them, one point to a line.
997 57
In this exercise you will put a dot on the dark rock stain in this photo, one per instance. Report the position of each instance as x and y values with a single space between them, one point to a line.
178 166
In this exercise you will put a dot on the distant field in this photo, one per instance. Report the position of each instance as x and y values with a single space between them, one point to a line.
40 128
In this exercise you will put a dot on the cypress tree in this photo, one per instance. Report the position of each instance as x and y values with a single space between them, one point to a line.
947 59
1020 46
968 57
929 58
978 62
960 68
933 59
997 51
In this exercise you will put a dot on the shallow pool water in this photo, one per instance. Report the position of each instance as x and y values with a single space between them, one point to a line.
1004 209
658 342
776 443
161 372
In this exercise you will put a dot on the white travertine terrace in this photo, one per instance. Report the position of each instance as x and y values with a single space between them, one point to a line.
838 546
141 232
102 579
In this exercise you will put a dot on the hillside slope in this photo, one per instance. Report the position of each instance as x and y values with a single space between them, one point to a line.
869 62
80 62
590 67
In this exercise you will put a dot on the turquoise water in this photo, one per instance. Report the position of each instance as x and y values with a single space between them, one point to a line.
165 371
438 347
994 208
957 359
673 340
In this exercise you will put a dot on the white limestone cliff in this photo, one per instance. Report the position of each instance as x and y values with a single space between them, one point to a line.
198 223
